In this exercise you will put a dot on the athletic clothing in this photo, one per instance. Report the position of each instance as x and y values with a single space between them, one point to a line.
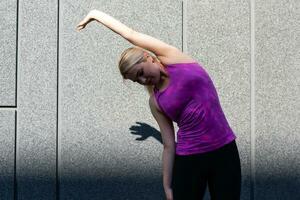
191 101
219 169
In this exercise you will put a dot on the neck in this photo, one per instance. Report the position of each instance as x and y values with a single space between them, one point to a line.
162 81
164 76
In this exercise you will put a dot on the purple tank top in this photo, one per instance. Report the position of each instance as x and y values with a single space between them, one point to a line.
191 101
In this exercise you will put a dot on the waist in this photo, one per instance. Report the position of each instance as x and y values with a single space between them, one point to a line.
203 143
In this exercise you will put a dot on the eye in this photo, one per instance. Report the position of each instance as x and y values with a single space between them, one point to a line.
141 73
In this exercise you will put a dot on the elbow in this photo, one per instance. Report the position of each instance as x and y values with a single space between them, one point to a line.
169 146
129 34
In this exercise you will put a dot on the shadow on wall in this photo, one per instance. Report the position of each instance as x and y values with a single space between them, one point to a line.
93 188
140 188
145 131
117 188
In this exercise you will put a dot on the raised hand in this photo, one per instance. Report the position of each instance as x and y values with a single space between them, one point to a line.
85 21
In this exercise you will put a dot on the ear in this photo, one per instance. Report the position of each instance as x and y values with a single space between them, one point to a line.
146 54
155 59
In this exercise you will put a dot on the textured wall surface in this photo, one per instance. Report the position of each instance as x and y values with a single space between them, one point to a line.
8 55
7 156
36 107
218 36
277 91
71 129
100 116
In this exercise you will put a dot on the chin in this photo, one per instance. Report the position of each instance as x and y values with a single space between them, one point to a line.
153 81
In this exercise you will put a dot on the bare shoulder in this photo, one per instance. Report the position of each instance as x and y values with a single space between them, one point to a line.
176 56
165 124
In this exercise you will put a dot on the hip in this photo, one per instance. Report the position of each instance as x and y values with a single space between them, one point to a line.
229 149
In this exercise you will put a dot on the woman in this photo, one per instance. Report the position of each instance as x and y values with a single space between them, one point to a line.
181 91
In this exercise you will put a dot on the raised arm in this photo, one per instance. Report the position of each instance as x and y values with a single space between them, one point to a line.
158 47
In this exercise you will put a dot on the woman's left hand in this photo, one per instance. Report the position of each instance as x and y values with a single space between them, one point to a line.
169 194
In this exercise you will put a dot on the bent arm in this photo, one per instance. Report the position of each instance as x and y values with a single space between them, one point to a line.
158 47
111 23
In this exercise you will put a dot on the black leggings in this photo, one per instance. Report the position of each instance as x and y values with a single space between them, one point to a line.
220 169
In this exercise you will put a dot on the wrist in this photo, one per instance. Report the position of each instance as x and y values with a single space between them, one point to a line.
93 13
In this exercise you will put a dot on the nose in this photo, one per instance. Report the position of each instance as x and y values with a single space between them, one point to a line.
142 80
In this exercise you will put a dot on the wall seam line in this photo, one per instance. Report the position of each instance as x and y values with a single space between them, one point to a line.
15 192
252 101
58 156
15 160
184 26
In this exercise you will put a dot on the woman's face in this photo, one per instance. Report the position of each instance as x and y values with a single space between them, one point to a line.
145 73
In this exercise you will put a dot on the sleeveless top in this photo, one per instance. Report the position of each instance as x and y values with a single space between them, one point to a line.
191 101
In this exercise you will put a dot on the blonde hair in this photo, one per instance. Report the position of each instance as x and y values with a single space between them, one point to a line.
129 58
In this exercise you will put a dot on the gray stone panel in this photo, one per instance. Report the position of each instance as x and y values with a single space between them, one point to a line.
7 153
277 58
110 144
8 31
218 37
37 99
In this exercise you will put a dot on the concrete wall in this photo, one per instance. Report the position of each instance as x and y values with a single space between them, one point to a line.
71 129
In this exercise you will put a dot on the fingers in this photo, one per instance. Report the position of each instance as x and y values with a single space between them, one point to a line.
80 26
84 22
